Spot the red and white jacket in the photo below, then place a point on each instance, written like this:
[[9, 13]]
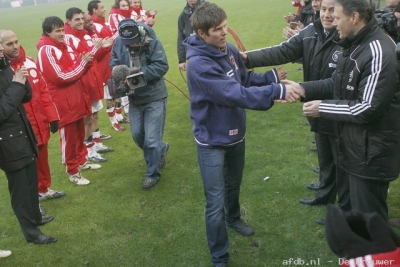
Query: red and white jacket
[[116, 15], [82, 43], [391, 258], [62, 69], [139, 14], [41, 110], [102, 30]]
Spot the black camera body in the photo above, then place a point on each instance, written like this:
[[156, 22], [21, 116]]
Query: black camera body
[[134, 81], [388, 22]]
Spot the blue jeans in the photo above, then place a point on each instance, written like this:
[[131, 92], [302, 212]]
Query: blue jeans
[[147, 128], [221, 170]]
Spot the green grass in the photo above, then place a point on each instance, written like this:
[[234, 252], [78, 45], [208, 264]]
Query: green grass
[[113, 222]]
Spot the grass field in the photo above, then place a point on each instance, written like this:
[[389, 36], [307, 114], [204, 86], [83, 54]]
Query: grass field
[[113, 222]]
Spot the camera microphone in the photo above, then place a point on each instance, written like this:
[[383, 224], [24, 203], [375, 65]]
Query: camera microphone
[[120, 72]]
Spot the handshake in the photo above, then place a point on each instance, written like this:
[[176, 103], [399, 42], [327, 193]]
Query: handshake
[[294, 91]]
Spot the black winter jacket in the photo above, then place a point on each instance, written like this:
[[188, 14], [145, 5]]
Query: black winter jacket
[[17, 139], [363, 98], [185, 29], [319, 55]]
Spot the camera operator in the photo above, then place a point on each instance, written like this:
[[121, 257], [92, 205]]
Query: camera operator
[[390, 6], [137, 46], [388, 21], [397, 15]]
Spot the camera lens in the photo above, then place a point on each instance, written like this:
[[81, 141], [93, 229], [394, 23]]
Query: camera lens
[[135, 81]]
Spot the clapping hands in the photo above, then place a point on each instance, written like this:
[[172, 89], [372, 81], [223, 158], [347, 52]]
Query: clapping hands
[[20, 74]]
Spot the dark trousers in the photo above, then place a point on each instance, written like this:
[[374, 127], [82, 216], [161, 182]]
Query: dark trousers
[[333, 179], [369, 195], [23, 188]]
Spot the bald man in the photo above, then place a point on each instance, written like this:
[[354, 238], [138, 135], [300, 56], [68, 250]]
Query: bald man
[[41, 111]]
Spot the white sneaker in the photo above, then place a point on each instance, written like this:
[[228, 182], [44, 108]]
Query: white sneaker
[[104, 136], [96, 157], [5, 253], [51, 194], [89, 166], [78, 179], [101, 148]]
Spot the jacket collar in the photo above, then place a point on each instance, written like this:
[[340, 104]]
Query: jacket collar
[[356, 39]]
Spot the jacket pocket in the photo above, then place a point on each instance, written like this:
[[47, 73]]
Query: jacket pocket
[[14, 145]]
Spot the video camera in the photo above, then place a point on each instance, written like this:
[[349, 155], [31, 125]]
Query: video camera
[[388, 22], [126, 80]]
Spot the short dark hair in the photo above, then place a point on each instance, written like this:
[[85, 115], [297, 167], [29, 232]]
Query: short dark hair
[[94, 4], [206, 16], [72, 11], [51, 23], [366, 8], [116, 4]]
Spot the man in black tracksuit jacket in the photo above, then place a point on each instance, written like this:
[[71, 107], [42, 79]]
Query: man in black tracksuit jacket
[[185, 29], [363, 98], [18, 152], [317, 46]]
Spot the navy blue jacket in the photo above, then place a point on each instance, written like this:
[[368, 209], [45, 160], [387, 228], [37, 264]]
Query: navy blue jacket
[[221, 89]]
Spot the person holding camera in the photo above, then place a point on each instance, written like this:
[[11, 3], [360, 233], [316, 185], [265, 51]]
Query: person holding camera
[[138, 48], [390, 5]]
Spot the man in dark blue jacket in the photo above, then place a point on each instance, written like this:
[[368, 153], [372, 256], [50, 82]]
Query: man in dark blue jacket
[[220, 90], [138, 48], [18, 151]]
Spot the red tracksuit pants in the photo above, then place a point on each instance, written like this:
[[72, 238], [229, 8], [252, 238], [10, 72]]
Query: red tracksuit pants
[[44, 176], [73, 150]]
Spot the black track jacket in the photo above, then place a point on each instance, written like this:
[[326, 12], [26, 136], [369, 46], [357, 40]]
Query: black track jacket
[[363, 97], [319, 53]]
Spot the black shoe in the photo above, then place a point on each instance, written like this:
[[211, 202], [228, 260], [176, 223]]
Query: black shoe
[[314, 186], [316, 170], [312, 201], [43, 239], [241, 227], [313, 148], [149, 183], [321, 221], [46, 220]]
